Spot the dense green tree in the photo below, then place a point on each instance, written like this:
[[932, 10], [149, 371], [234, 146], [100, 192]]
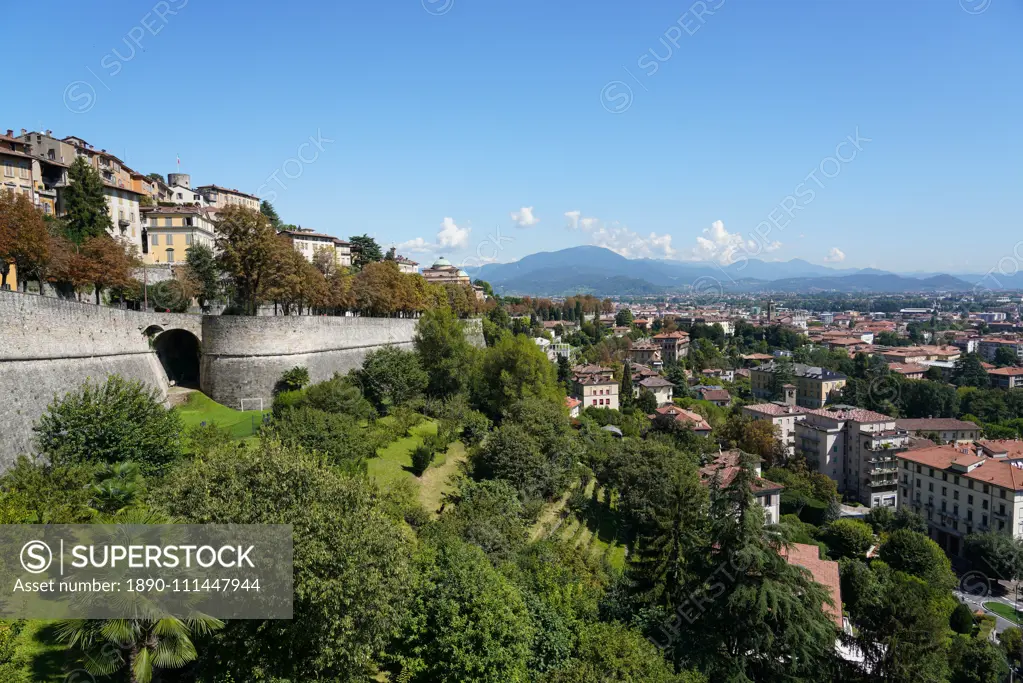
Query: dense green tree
[[783, 374], [468, 622], [513, 369], [1011, 641], [342, 438], [339, 395], [647, 402], [662, 505], [976, 660], [365, 250], [344, 611], [247, 251], [204, 273], [900, 621], [613, 652], [444, 352], [43, 493], [268, 210], [848, 538], [969, 372], [625, 392], [392, 377], [623, 318], [1005, 356], [924, 398], [86, 213], [750, 615], [488, 514], [999, 556], [758, 437], [512, 454], [913, 553], [115, 421], [135, 648], [961, 620]]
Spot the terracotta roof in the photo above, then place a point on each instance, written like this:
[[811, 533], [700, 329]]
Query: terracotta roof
[[593, 380], [307, 233], [677, 334], [907, 368], [182, 208], [683, 415], [645, 346], [227, 189], [655, 381], [715, 395], [850, 413], [589, 369], [758, 356], [775, 409], [726, 465], [997, 472], [1006, 372], [571, 402], [934, 424], [824, 572]]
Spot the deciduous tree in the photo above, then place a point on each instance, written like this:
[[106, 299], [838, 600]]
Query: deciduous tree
[[247, 247]]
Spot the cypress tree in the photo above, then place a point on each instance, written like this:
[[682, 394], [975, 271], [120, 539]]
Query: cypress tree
[[85, 205]]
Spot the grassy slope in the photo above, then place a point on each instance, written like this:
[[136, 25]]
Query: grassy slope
[[394, 462], [200, 408]]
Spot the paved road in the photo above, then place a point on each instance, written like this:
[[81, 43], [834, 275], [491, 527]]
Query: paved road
[[976, 602]]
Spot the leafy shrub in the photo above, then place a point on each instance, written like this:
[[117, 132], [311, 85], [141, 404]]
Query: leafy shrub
[[475, 426], [110, 422], [286, 400], [341, 438], [392, 377], [422, 456], [205, 437], [339, 395], [293, 379]]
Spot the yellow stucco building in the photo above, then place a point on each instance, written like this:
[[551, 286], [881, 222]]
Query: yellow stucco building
[[171, 230]]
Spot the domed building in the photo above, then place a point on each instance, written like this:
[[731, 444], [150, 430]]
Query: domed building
[[443, 273]]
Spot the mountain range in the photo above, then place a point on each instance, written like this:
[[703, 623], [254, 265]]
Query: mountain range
[[602, 272]]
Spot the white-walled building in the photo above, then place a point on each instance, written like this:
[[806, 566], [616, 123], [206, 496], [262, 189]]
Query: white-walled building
[[854, 447], [595, 391], [726, 466], [307, 243], [784, 418], [961, 490]]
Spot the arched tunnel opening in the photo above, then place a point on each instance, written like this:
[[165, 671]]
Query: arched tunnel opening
[[178, 351]]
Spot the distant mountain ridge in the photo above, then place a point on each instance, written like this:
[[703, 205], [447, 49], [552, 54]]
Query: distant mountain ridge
[[602, 272]]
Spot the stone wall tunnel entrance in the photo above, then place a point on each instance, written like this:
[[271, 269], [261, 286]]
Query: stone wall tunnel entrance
[[178, 351]]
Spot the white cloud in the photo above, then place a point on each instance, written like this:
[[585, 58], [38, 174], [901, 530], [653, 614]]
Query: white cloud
[[416, 246], [524, 217], [620, 238], [450, 235], [835, 255], [717, 244]]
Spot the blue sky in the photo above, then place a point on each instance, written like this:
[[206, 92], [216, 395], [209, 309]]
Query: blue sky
[[663, 129]]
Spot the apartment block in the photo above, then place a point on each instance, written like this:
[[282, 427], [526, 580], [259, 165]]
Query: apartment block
[[1006, 378], [307, 243], [854, 447], [960, 490], [988, 346], [814, 385], [221, 197], [947, 429], [646, 353], [674, 345], [170, 231], [784, 418]]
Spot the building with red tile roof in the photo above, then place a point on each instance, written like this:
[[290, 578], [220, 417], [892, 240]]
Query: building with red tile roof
[[824, 572], [964, 489], [695, 420], [726, 466]]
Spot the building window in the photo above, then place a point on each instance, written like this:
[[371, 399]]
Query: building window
[[983, 504], [155, 239], [930, 471], [170, 256], [930, 486], [1001, 493], [188, 241], [8, 169], [955, 495], [944, 490], [969, 515], [987, 489], [918, 470], [944, 476], [969, 484], [170, 238], [969, 499]]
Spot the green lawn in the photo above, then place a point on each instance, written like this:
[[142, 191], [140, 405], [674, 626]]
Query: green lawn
[[1005, 611], [200, 408], [394, 462]]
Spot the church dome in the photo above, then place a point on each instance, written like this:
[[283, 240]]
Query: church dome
[[462, 273], [441, 263]]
